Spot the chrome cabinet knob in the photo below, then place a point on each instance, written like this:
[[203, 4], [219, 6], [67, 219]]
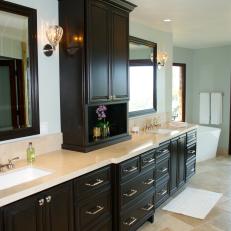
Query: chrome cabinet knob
[[48, 199], [41, 202]]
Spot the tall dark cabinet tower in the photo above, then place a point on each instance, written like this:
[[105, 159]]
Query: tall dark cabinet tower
[[94, 70]]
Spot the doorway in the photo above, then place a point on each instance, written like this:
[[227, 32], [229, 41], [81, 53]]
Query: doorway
[[178, 91], [12, 100]]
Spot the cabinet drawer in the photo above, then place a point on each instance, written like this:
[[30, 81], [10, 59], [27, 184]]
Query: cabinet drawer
[[162, 169], [191, 152], [129, 168], [91, 211], [163, 152], [93, 182], [190, 169], [148, 160], [191, 137], [106, 227], [131, 218], [162, 193], [132, 189], [102, 226]]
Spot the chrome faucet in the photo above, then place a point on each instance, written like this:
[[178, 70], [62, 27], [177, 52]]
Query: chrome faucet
[[9, 165]]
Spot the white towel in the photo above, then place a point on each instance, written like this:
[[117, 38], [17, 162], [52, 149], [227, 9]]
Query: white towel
[[204, 108], [216, 108]]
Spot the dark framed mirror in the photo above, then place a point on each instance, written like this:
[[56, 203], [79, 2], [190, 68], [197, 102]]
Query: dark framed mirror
[[19, 97], [142, 76]]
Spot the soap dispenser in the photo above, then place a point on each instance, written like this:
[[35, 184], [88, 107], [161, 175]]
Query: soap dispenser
[[30, 153]]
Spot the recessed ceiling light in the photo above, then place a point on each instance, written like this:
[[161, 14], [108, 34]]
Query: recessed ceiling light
[[167, 20]]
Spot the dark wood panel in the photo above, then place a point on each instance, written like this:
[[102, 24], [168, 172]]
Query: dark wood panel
[[138, 214], [190, 169], [72, 74], [98, 45], [92, 211], [129, 168], [59, 208], [92, 183], [135, 187], [120, 85], [181, 159], [174, 166], [24, 215]]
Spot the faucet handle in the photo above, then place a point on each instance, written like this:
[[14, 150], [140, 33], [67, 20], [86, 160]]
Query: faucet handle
[[10, 164]]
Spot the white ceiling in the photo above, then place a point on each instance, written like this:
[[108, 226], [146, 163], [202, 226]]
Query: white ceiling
[[195, 23]]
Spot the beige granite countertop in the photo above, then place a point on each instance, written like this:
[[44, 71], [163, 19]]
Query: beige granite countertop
[[66, 165]]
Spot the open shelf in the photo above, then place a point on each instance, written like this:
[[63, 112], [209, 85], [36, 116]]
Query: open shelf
[[117, 117]]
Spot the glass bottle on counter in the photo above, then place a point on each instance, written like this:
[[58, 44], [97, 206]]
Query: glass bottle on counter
[[30, 153]]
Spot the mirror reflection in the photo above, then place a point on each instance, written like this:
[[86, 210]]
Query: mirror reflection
[[15, 85], [141, 70]]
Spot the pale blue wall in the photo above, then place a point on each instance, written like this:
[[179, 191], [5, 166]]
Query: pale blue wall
[[210, 71]]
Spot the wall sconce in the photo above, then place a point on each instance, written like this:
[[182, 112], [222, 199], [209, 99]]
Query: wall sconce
[[54, 35], [74, 44], [162, 58]]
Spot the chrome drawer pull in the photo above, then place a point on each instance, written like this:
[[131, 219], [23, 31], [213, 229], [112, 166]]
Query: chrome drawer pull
[[163, 170], [149, 181], [132, 193], [191, 151], [41, 202], [130, 221], [162, 193], [95, 211], [48, 199], [148, 207], [163, 151], [149, 161], [97, 182], [129, 170]]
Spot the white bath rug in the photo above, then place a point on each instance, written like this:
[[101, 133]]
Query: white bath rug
[[193, 202]]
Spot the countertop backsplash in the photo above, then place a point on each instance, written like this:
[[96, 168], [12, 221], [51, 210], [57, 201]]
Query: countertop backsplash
[[142, 121], [42, 144]]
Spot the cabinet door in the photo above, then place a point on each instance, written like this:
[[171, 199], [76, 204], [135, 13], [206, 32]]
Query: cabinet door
[[120, 51], [24, 215], [181, 160], [98, 53], [174, 166], [1, 228], [59, 208]]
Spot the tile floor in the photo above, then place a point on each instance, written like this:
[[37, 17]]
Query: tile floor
[[213, 175]]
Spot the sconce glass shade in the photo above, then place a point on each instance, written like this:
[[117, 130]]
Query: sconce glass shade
[[54, 35], [162, 58]]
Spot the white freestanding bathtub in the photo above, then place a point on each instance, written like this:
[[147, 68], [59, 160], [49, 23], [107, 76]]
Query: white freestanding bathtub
[[207, 142]]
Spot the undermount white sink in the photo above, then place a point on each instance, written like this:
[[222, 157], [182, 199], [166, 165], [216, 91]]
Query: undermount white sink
[[162, 131], [23, 175]]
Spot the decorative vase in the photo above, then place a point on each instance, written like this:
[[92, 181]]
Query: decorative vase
[[96, 133], [105, 131]]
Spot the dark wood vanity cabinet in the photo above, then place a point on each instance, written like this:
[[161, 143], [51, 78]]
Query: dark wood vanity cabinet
[[162, 173], [93, 69], [49, 210], [190, 156], [117, 197], [178, 150], [93, 201], [107, 52], [134, 192]]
